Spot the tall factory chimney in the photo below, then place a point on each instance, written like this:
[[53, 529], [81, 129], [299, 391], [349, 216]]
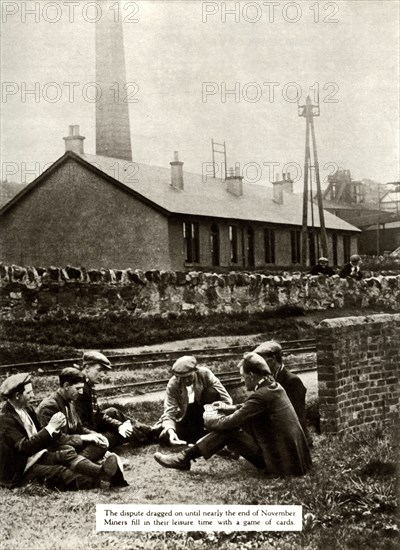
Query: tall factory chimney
[[113, 138]]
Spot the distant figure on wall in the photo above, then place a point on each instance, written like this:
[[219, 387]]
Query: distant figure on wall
[[352, 269], [322, 268]]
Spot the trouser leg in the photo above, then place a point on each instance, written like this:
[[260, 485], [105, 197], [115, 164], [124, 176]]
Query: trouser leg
[[142, 433], [60, 477], [93, 452], [238, 441], [191, 427]]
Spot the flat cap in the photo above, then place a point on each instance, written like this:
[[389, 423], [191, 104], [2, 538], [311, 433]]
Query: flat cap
[[355, 258], [12, 382], [322, 259], [96, 358], [270, 347], [184, 365]]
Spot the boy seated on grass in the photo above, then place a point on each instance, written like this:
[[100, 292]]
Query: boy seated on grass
[[30, 453]]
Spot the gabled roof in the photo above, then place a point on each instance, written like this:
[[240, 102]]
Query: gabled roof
[[8, 190], [203, 196], [200, 197]]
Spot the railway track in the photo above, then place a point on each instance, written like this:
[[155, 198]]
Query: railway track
[[142, 360], [136, 362]]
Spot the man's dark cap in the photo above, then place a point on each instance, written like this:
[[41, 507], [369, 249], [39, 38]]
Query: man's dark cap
[[268, 348], [71, 375], [11, 383], [96, 358], [184, 365]]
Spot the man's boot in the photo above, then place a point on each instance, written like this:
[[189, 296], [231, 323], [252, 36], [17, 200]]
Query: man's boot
[[105, 472], [179, 461]]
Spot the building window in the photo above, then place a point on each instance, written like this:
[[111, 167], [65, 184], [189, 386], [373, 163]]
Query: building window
[[335, 249], [233, 239], [346, 248], [269, 246], [250, 247], [295, 239], [214, 238], [191, 240]]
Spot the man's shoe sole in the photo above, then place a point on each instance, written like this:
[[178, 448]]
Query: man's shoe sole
[[158, 457], [109, 468]]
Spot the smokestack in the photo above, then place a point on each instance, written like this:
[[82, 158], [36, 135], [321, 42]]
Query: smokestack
[[74, 142], [113, 137], [176, 172]]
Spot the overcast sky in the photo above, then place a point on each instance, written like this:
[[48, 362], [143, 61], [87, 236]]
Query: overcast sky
[[175, 47]]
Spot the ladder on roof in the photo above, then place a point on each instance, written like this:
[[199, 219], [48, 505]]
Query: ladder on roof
[[214, 147]]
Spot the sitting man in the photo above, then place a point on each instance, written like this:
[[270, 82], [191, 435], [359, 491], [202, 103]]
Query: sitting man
[[111, 422], [264, 430], [190, 388], [352, 269], [271, 352], [322, 268], [24, 454], [90, 445]]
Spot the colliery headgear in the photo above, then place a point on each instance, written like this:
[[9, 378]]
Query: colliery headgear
[[184, 365], [14, 383], [96, 358]]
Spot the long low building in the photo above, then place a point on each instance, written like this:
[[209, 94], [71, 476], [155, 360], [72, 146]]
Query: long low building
[[96, 211]]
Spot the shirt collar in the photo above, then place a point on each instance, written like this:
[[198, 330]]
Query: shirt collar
[[259, 383]]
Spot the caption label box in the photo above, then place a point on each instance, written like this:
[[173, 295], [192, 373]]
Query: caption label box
[[164, 517]]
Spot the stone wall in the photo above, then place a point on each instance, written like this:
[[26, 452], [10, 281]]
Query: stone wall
[[32, 293], [358, 372]]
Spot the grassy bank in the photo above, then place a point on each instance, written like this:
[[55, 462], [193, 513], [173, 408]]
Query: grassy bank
[[62, 338], [349, 502]]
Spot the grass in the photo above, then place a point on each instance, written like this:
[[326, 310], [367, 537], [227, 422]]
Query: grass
[[28, 340], [122, 329], [349, 502]]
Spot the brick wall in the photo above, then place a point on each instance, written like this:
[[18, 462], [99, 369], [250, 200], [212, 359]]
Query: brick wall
[[358, 372], [33, 293]]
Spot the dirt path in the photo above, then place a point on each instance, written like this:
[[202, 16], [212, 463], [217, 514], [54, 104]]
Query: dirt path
[[192, 343]]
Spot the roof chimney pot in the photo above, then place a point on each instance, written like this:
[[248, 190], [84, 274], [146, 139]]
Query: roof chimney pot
[[74, 141], [234, 181], [176, 172]]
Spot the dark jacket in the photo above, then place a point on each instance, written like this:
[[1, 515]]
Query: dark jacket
[[69, 434], [94, 419], [16, 446], [319, 269], [347, 272], [269, 417], [296, 392]]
